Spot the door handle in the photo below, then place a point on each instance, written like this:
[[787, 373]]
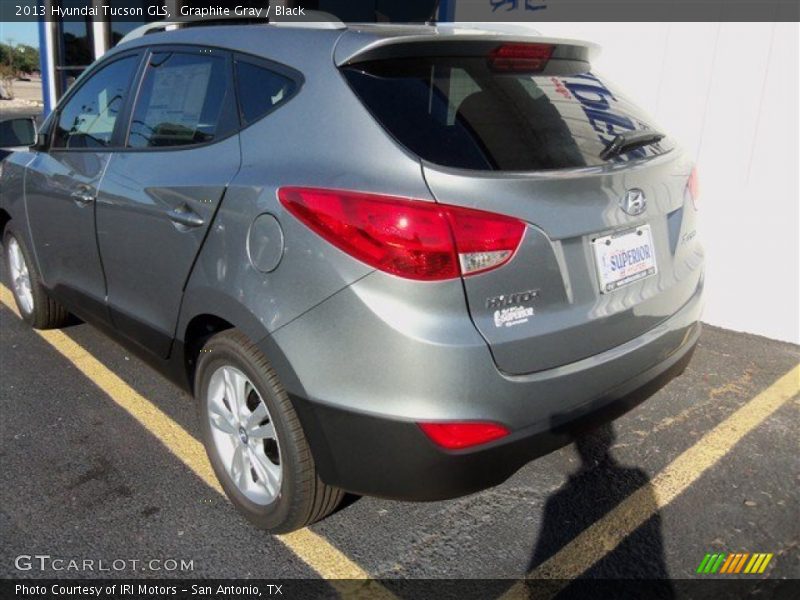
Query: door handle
[[82, 198], [185, 217]]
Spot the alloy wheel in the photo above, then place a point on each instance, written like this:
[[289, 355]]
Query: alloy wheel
[[244, 435], [20, 276]]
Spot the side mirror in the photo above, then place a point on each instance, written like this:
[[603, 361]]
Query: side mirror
[[17, 133]]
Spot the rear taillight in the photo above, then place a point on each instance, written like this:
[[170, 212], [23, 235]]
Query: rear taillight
[[693, 187], [483, 240], [408, 238], [457, 436], [520, 58]]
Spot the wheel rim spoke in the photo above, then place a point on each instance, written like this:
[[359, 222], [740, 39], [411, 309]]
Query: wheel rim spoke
[[259, 414], [268, 473], [235, 384], [230, 393], [254, 426], [264, 432], [220, 415], [222, 421], [15, 257], [240, 467]]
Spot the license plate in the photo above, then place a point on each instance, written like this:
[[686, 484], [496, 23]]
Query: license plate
[[624, 257]]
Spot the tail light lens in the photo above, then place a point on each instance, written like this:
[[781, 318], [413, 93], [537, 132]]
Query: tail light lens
[[693, 187], [457, 436], [408, 238], [520, 58]]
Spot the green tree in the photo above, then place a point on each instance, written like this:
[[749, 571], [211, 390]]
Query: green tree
[[20, 58], [6, 52], [26, 58]]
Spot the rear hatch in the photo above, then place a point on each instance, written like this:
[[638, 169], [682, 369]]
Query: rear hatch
[[524, 128]]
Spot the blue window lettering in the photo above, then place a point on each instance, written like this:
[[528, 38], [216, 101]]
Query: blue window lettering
[[591, 77], [590, 96], [514, 5], [497, 4], [595, 98], [606, 123]]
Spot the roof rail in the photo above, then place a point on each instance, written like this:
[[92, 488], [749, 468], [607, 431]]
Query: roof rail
[[311, 19], [157, 26]]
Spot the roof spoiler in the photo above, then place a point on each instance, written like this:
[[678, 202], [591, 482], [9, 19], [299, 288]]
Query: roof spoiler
[[353, 48]]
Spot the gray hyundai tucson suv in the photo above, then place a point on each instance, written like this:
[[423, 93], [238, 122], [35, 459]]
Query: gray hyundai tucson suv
[[389, 260]]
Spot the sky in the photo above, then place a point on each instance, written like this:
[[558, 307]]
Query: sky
[[21, 33]]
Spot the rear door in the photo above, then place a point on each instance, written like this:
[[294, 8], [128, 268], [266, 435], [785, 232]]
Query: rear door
[[161, 192], [519, 129]]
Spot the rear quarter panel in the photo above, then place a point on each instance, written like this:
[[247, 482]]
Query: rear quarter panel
[[323, 137]]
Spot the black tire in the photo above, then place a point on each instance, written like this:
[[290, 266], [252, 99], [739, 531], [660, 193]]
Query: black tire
[[302, 498], [46, 313]]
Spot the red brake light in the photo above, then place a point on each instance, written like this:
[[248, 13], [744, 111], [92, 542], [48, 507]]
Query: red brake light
[[693, 186], [528, 58], [457, 436], [409, 238]]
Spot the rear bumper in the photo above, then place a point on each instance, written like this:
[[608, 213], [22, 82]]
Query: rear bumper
[[371, 456], [366, 451]]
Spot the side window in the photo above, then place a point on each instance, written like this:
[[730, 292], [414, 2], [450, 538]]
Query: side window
[[260, 90], [184, 100], [87, 119]]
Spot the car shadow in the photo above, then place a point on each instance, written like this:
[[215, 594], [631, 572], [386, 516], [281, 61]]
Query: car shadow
[[598, 485]]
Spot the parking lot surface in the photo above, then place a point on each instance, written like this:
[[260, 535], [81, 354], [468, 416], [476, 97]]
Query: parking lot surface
[[100, 460]]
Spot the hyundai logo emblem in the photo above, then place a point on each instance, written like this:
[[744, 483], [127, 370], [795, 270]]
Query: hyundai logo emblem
[[634, 202]]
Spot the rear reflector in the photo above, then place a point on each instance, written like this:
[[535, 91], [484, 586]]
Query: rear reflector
[[693, 187], [408, 238], [528, 58], [457, 436]]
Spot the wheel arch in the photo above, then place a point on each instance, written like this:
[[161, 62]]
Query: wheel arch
[[207, 312], [199, 330]]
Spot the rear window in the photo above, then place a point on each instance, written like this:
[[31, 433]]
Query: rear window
[[458, 112]]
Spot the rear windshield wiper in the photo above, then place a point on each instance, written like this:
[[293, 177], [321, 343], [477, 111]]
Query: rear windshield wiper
[[630, 140]]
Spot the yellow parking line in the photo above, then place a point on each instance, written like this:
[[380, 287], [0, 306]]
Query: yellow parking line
[[314, 550], [604, 535]]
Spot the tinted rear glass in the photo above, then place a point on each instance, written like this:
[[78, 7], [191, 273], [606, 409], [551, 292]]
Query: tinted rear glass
[[260, 90], [457, 112]]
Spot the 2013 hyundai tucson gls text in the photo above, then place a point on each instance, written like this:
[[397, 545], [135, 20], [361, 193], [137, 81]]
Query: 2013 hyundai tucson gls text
[[390, 260]]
